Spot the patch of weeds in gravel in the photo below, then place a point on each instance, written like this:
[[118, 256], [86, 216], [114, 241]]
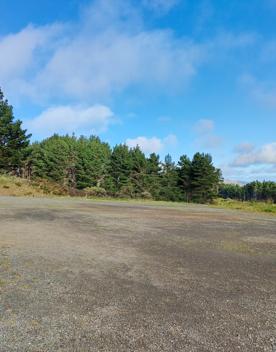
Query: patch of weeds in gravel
[[2, 283], [4, 264], [237, 247], [7, 274]]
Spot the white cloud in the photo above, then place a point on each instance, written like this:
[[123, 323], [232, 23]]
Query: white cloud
[[113, 61], [263, 155], [147, 145], [206, 138], [22, 54], [107, 51], [153, 144], [18, 50], [69, 119]]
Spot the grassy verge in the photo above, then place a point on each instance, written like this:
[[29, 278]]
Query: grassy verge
[[248, 206], [16, 186]]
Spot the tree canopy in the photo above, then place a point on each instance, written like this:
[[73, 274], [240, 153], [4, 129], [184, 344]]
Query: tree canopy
[[122, 171]]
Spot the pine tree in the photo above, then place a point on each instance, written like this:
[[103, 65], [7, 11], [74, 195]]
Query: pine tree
[[93, 162], [120, 169], [153, 175], [169, 189], [205, 178], [138, 171], [184, 176], [52, 159], [13, 140]]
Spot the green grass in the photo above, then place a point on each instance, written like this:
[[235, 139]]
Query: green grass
[[247, 206]]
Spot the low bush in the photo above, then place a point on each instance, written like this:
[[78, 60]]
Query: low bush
[[95, 192]]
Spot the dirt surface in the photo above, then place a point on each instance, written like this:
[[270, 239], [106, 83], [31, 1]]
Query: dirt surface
[[93, 276]]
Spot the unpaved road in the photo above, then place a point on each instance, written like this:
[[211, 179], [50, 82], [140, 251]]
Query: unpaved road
[[77, 275]]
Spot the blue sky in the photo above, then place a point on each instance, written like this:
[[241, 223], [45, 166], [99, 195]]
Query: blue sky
[[174, 76]]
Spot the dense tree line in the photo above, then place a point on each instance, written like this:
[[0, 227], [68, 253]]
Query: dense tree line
[[92, 165], [253, 191]]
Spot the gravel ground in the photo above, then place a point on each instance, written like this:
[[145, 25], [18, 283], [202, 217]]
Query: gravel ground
[[77, 275]]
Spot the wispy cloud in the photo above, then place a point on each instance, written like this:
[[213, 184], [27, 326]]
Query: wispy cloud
[[164, 119], [263, 92], [204, 126], [268, 52], [244, 148], [205, 135]]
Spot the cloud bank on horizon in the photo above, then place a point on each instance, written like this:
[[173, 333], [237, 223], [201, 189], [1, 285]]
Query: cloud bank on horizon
[[193, 77]]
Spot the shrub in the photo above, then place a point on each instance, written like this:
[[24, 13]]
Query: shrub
[[95, 192], [126, 192], [74, 192], [146, 195]]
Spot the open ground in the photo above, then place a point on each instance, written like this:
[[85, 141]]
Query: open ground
[[78, 275]]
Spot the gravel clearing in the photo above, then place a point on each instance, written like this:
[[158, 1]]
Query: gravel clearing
[[81, 275]]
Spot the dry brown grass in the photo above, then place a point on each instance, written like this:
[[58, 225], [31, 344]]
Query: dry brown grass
[[15, 186]]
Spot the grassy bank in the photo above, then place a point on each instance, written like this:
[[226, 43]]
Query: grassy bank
[[16, 186], [247, 206]]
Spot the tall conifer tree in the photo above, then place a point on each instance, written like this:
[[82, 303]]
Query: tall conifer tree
[[13, 139]]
